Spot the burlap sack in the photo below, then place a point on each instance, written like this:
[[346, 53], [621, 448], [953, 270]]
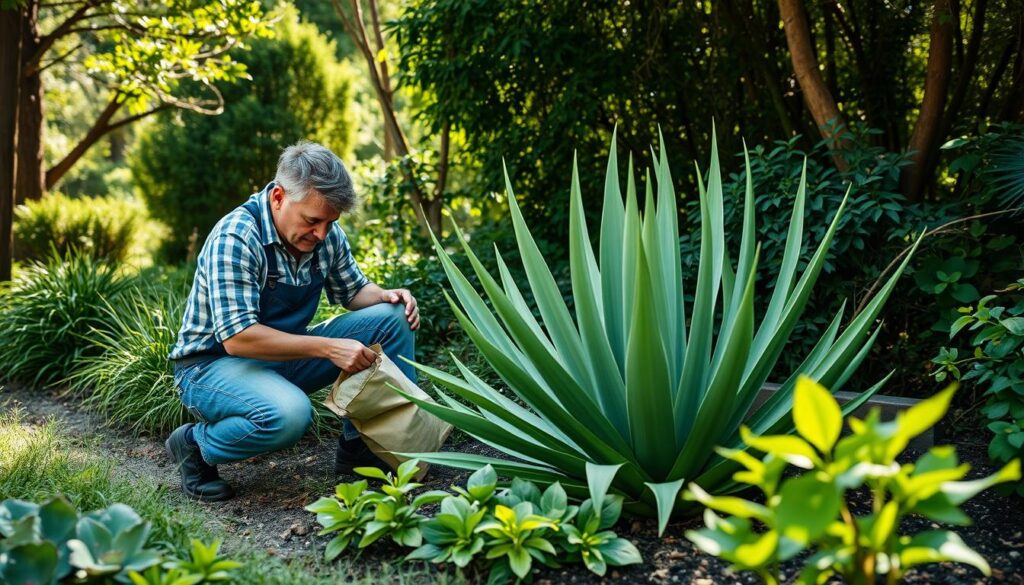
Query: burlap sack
[[388, 422]]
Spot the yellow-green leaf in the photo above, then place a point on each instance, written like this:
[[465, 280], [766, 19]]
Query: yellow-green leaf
[[816, 414]]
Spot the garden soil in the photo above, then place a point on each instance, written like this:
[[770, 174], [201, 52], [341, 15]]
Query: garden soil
[[268, 512]]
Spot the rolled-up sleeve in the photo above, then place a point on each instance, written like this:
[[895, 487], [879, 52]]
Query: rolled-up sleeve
[[345, 278], [234, 269]]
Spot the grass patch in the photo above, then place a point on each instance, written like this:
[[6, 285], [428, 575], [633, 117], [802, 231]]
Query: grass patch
[[39, 461]]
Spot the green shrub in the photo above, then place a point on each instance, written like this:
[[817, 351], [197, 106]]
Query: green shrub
[[50, 312], [129, 378], [102, 227], [640, 378], [993, 360], [810, 512]]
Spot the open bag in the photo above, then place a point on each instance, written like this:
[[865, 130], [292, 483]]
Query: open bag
[[388, 422]]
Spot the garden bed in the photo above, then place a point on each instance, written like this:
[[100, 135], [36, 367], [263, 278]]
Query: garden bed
[[267, 515]]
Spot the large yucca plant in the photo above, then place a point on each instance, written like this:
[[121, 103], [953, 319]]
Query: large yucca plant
[[639, 384]]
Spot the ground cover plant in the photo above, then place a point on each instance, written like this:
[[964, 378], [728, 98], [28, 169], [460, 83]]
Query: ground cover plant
[[500, 532], [637, 380], [810, 511]]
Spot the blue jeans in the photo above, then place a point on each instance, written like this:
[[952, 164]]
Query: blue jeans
[[248, 407]]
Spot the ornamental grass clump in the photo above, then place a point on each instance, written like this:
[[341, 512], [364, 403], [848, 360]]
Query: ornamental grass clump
[[638, 377], [50, 311], [129, 378]]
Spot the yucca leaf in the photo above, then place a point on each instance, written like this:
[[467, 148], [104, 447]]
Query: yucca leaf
[[516, 297], [665, 496], [549, 300], [487, 431], [599, 479], [630, 242], [671, 264], [609, 388], [718, 403], [538, 355], [541, 398], [790, 259], [519, 418], [768, 353], [648, 399], [814, 357], [476, 308], [690, 390], [613, 220]]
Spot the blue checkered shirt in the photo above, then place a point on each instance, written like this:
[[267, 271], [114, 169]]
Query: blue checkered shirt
[[232, 268]]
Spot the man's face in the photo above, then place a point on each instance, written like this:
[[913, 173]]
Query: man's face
[[301, 224]]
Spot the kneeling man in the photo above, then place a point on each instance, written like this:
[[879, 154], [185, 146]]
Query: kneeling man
[[246, 357]]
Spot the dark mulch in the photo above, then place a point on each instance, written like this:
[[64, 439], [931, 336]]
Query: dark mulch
[[274, 488]]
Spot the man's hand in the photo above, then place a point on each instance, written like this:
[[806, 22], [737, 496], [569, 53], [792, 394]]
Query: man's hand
[[350, 355], [402, 295]]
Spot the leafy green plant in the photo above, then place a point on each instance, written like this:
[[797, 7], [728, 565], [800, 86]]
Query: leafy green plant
[[101, 227], [395, 513], [203, 563], [517, 538], [346, 513], [504, 531], [994, 360], [33, 548], [111, 542], [355, 512], [49, 311], [44, 544], [128, 378], [810, 512], [633, 381]]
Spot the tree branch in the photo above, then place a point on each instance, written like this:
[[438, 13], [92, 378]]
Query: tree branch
[[941, 230], [36, 69], [47, 41]]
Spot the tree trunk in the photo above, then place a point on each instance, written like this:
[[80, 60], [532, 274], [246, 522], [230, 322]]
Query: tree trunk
[[29, 182], [10, 71], [1012, 107], [925, 139], [98, 130], [805, 64], [381, 83], [965, 73]]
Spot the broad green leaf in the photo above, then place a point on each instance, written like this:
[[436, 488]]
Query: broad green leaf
[[816, 414], [937, 546], [727, 504], [806, 507]]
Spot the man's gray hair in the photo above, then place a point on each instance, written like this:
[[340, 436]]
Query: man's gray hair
[[307, 166]]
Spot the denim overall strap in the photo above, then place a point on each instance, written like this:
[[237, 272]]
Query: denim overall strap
[[286, 307]]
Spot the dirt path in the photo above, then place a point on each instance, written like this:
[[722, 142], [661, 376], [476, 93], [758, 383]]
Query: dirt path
[[267, 514]]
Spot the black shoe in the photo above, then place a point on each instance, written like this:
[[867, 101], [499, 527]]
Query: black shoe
[[354, 453], [199, 479]]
